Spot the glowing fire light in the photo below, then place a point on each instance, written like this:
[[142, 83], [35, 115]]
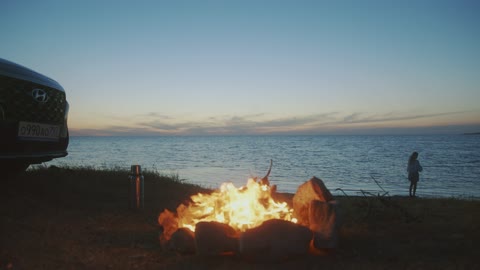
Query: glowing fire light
[[242, 208]]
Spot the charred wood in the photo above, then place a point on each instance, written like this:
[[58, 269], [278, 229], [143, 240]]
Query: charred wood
[[214, 238], [275, 240]]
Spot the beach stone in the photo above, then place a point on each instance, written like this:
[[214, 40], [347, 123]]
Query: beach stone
[[323, 222], [275, 240], [182, 241], [313, 189], [215, 238]]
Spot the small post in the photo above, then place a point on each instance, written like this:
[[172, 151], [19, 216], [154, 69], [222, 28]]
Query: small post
[[136, 187]]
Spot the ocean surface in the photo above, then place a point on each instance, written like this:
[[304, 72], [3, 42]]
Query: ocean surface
[[351, 163]]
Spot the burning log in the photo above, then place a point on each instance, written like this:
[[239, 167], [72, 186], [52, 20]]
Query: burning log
[[313, 189], [182, 241], [323, 220], [275, 240], [215, 238], [241, 208]]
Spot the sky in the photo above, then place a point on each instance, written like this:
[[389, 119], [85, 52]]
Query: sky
[[254, 67]]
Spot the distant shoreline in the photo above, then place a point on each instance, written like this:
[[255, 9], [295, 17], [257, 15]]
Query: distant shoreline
[[472, 133]]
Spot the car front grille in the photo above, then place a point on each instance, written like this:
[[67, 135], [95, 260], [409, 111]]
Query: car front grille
[[18, 104]]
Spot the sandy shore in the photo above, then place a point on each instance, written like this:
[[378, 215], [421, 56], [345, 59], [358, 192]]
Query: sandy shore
[[79, 219]]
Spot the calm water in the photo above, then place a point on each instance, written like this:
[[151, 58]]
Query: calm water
[[451, 163]]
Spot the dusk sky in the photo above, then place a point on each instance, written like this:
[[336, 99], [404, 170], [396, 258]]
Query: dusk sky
[[254, 67]]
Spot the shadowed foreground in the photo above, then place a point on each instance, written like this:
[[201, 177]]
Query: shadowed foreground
[[78, 218]]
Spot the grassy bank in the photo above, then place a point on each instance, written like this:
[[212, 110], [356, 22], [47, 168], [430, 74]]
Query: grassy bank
[[78, 218]]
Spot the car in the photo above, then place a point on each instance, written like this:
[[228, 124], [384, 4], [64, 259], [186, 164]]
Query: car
[[33, 118]]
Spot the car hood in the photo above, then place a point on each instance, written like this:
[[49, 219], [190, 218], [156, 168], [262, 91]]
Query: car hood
[[17, 71]]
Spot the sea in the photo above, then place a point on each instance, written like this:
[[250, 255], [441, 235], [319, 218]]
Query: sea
[[354, 165]]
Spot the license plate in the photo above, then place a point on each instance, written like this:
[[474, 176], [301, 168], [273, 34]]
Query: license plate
[[38, 132]]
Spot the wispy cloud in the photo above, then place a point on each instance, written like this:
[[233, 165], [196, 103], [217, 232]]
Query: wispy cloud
[[155, 115], [357, 118], [246, 124], [331, 122]]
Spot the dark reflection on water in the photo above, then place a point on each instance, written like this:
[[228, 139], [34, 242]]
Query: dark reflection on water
[[348, 162]]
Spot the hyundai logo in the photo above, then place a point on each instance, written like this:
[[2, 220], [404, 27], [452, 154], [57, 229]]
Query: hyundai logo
[[40, 95]]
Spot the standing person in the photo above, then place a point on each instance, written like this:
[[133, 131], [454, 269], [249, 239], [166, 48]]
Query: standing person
[[413, 170]]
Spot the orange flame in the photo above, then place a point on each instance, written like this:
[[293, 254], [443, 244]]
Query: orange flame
[[243, 208]]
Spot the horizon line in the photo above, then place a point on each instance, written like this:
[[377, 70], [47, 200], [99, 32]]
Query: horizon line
[[465, 129]]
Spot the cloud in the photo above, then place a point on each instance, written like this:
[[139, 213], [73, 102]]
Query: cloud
[[113, 131], [351, 118], [155, 115], [261, 123], [358, 118], [159, 125]]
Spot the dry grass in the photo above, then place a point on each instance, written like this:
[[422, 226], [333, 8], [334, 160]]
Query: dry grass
[[78, 218]]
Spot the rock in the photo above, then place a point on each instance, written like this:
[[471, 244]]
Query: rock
[[313, 189], [182, 241], [214, 238], [275, 240], [323, 223]]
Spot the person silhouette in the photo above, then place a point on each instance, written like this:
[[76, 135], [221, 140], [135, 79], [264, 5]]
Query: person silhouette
[[413, 170]]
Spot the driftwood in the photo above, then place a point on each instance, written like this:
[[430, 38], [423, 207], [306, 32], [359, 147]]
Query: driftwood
[[264, 180], [215, 238], [275, 240], [323, 222], [313, 189], [182, 241]]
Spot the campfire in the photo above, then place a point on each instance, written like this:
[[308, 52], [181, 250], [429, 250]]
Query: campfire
[[250, 222]]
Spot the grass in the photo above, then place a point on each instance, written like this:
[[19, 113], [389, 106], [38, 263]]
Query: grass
[[78, 218]]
